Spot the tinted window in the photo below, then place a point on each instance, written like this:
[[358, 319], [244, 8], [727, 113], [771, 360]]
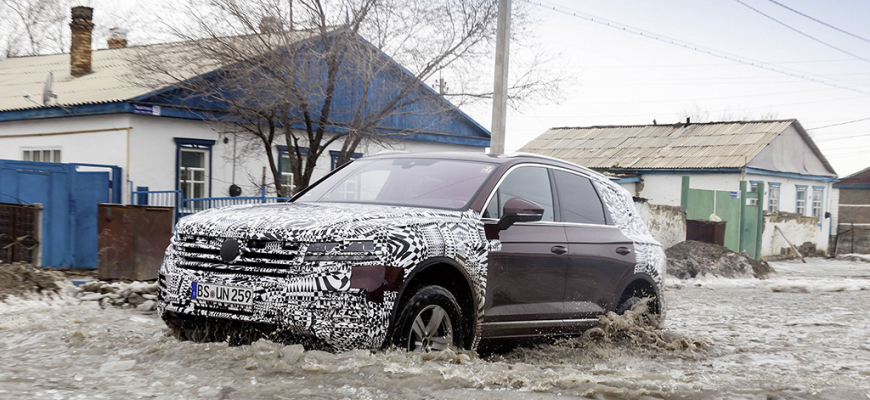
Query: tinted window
[[578, 200], [530, 183], [410, 182]]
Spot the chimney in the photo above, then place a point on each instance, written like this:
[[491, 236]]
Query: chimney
[[80, 47], [117, 38]]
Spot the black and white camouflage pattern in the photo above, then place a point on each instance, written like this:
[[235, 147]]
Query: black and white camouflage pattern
[[650, 256], [315, 298]]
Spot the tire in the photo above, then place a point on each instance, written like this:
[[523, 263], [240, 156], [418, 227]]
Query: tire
[[627, 304], [430, 320], [194, 331]]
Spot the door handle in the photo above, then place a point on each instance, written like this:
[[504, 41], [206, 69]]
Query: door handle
[[623, 250], [559, 250]]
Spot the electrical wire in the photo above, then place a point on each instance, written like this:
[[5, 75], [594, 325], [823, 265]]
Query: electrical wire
[[838, 124], [821, 22], [690, 46], [800, 32]]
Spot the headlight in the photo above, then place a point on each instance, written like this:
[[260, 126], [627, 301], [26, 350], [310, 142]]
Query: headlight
[[361, 250]]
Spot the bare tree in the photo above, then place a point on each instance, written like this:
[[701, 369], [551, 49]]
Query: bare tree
[[322, 72], [31, 26]]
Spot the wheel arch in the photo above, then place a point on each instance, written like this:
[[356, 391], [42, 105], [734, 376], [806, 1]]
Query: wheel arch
[[643, 285], [448, 273]]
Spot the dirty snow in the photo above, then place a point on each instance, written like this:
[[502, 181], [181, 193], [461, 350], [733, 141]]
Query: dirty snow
[[741, 339]]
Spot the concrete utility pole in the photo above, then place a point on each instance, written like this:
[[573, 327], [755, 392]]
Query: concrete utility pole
[[499, 98]]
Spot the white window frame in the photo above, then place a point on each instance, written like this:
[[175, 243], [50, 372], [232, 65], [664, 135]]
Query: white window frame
[[818, 196], [39, 154], [773, 195], [800, 205], [188, 186]]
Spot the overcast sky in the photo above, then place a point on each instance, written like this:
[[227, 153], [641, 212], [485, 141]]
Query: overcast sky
[[625, 78]]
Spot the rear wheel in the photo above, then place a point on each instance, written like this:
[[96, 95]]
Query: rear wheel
[[429, 321]]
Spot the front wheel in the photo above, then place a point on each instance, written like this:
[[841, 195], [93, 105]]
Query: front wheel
[[429, 321]]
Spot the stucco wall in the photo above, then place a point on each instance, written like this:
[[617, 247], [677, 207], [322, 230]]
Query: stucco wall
[[667, 224], [798, 229], [152, 149]]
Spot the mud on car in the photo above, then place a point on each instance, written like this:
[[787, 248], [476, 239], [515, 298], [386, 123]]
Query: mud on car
[[420, 251]]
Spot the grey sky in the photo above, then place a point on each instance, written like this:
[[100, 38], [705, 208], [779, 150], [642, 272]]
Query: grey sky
[[625, 78]]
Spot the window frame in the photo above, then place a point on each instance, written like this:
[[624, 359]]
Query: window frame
[[797, 205], [604, 213], [201, 145], [770, 197], [283, 151], [333, 157], [818, 213], [553, 195]]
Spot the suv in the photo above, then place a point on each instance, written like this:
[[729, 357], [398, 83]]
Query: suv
[[421, 251]]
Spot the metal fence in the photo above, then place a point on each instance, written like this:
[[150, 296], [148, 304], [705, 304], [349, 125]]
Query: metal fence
[[192, 206], [141, 196]]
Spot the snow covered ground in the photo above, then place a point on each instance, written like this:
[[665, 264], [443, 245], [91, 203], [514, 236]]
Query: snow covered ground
[[804, 334]]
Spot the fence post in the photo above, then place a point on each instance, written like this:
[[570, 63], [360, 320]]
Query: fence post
[[263, 194], [130, 199]]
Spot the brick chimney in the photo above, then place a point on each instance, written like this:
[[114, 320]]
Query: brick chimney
[[80, 47], [117, 38]]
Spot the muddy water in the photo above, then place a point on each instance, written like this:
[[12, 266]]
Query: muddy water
[[802, 335]]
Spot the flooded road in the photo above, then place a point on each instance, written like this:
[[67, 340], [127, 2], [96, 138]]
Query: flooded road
[[802, 335]]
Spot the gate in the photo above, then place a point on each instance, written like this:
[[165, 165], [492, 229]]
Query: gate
[[69, 201]]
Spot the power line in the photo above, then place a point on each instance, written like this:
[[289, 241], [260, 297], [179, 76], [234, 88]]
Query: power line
[[701, 49], [821, 22], [801, 32], [838, 124]]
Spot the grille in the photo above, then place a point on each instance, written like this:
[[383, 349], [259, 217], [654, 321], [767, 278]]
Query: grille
[[256, 257]]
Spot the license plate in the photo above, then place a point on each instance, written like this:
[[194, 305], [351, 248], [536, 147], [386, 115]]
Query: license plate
[[222, 294]]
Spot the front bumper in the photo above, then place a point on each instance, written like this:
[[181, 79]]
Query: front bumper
[[319, 303]]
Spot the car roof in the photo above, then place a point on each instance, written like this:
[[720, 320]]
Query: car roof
[[474, 156]]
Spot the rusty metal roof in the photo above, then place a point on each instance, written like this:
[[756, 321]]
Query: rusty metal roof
[[679, 146]]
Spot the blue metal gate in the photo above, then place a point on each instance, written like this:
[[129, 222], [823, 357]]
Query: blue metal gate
[[69, 198]]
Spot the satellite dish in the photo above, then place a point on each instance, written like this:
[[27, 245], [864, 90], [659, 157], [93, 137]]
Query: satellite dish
[[47, 94]]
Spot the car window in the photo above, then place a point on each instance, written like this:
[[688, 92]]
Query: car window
[[530, 183], [578, 199], [438, 183]]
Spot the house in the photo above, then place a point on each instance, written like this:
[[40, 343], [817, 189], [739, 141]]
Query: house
[[756, 175], [156, 136], [120, 141], [852, 226]]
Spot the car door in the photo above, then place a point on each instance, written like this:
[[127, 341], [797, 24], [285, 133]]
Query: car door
[[526, 278], [599, 256]]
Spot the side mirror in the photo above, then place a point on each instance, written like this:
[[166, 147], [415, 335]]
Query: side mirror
[[519, 210]]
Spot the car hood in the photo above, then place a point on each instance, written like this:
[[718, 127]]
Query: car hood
[[311, 221]]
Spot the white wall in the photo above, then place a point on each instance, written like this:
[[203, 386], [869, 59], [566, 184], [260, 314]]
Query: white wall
[[152, 149], [667, 224], [666, 189], [788, 203], [798, 230]]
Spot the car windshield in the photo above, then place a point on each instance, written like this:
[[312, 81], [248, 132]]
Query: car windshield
[[422, 182]]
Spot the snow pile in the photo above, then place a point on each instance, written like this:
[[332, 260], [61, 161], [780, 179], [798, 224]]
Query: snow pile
[[22, 280], [691, 259], [139, 295]]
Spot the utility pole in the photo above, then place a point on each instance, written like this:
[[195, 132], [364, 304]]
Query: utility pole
[[499, 98]]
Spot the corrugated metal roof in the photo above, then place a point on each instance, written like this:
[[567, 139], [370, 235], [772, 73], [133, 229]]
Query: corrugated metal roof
[[680, 146], [113, 77]]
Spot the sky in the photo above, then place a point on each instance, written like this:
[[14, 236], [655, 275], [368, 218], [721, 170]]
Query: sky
[[621, 77]]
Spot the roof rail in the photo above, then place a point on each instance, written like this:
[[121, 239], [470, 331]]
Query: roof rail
[[524, 154]]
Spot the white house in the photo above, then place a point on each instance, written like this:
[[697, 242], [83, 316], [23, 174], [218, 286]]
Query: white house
[[716, 168], [99, 117]]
